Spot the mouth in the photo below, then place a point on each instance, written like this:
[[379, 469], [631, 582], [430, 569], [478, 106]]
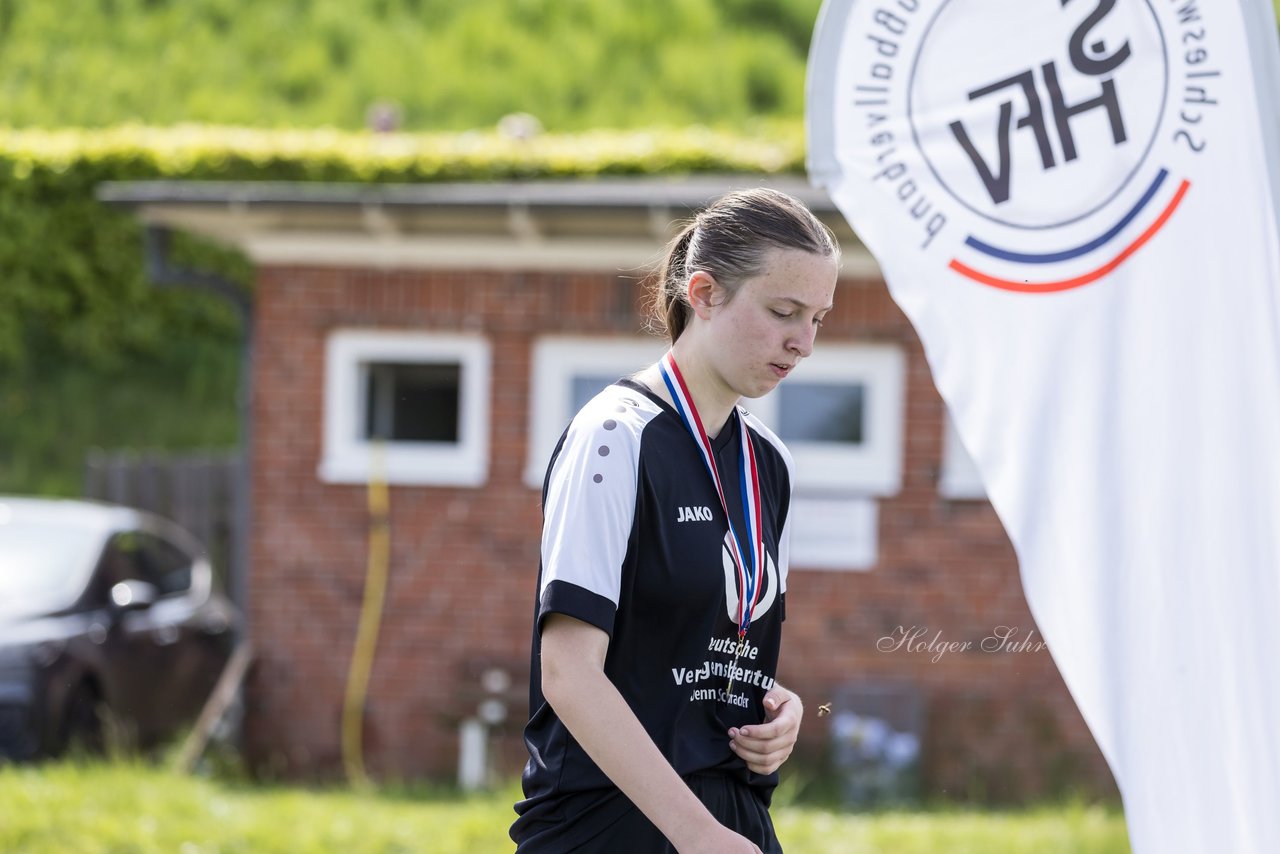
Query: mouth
[[781, 369]]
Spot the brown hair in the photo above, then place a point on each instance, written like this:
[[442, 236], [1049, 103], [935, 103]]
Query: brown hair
[[729, 240]]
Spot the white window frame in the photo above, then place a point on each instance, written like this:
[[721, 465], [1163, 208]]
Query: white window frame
[[833, 468], [839, 534], [960, 478], [348, 458], [831, 483], [555, 361]]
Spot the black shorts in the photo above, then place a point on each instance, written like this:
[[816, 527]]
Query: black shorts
[[735, 804]]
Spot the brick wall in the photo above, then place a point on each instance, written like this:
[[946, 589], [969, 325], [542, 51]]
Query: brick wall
[[464, 561]]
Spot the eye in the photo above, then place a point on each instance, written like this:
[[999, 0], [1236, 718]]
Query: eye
[[779, 314], [817, 321]]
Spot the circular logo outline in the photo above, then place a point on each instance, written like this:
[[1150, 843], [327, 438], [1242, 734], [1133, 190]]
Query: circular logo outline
[[1146, 153]]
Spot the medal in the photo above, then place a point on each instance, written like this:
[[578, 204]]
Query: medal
[[748, 562]]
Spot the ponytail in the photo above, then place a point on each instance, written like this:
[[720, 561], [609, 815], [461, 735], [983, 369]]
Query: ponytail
[[671, 299]]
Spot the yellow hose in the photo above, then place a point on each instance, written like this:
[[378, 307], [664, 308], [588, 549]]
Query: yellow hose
[[375, 589]]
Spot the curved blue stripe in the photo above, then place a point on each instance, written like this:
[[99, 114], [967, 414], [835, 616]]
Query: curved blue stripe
[[1066, 254], [749, 589]]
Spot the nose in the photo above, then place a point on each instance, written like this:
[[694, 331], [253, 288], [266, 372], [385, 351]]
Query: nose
[[802, 343]]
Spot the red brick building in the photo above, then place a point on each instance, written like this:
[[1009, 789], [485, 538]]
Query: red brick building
[[463, 323]]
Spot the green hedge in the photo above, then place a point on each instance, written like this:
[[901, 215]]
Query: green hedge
[[85, 339], [230, 153]]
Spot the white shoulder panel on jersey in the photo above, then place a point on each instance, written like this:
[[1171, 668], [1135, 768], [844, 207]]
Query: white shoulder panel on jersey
[[591, 494], [784, 537]]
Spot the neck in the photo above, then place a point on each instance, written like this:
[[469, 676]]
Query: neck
[[714, 399]]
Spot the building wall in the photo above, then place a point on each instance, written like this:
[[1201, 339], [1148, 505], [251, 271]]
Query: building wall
[[999, 725]]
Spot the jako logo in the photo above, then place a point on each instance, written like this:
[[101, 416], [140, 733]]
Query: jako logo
[[1041, 127], [693, 514]]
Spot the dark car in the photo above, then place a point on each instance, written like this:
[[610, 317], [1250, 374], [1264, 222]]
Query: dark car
[[109, 626]]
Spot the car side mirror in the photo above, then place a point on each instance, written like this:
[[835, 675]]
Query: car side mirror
[[133, 595]]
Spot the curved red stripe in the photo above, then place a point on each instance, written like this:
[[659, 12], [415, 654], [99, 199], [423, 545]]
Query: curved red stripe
[[708, 454], [755, 521], [1091, 276], [693, 410]]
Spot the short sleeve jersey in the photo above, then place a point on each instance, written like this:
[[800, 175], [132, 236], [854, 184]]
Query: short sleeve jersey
[[635, 542]]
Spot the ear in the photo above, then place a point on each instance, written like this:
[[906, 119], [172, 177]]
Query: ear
[[702, 293]]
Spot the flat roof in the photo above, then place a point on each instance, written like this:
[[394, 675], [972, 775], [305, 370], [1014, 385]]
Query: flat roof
[[600, 224], [640, 192]]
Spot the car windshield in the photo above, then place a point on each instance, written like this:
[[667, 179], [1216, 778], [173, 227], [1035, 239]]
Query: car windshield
[[44, 564]]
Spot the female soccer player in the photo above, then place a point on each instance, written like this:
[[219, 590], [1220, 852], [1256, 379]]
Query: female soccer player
[[657, 724]]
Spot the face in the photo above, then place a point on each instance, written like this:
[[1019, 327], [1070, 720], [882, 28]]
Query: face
[[757, 337]]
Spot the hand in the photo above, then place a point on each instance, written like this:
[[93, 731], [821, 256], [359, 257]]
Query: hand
[[717, 840], [766, 746]]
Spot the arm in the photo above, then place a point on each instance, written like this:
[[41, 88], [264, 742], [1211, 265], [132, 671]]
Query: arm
[[573, 682], [764, 747]]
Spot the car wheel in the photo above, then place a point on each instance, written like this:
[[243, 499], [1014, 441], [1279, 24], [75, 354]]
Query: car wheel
[[84, 719]]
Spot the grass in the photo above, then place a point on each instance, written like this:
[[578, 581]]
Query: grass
[[134, 808], [1061, 829], [128, 806]]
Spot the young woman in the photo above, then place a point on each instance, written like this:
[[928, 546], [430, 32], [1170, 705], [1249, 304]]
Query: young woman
[[656, 721]]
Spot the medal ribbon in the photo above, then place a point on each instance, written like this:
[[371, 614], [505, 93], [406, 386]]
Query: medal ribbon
[[750, 573]]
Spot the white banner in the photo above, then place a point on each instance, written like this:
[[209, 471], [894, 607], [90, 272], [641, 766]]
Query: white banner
[[1075, 203]]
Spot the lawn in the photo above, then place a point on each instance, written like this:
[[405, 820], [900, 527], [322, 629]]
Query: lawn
[[134, 808]]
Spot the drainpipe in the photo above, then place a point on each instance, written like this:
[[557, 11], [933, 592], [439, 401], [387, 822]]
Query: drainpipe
[[162, 273]]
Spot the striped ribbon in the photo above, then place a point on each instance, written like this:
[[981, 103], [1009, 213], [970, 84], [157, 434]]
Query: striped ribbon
[[749, 572]]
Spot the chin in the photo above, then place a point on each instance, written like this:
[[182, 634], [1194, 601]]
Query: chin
[[761, 389]]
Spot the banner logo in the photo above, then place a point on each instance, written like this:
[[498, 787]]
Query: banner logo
[[1037, 125]]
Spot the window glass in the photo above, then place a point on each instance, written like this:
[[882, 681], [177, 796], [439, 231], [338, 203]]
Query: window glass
[[121, 561], [585, 387], [165, 565], [408, 402], [821, 412]]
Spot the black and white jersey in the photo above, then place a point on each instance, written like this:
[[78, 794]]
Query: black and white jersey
[[635, 542]]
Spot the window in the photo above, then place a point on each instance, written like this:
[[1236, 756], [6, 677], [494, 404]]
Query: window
[[834, 533], [960, 477], [840, 414], [165, 565], [423, 396], [121, 561], [568, 372], [412, 402]]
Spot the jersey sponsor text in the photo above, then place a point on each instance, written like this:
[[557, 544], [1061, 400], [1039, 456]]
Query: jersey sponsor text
[[693, 514]]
